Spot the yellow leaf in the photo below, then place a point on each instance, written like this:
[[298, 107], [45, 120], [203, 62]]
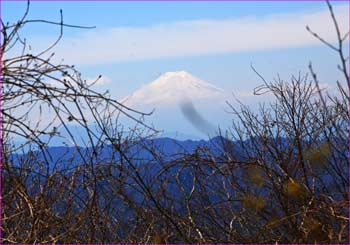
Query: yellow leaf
[[256, 203], [293, 189], [319, 155]]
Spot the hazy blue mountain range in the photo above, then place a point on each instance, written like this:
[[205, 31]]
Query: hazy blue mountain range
[[139, 151]]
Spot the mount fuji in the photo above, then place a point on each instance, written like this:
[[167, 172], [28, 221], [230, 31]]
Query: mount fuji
[[183, 104], [173, 88]]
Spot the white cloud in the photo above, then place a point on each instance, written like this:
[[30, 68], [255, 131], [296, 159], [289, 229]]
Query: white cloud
[[200, 37]]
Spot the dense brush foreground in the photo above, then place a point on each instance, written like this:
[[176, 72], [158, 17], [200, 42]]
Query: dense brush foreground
[[281, 177], [278, 175]]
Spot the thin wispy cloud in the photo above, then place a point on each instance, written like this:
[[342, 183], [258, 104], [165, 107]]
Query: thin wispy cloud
[[200, 37], [99, 81]]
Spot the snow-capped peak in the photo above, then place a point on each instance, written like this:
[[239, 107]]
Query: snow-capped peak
[[173, 87]]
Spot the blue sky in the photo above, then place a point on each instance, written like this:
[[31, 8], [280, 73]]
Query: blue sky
[[126, 23], [126, 13]]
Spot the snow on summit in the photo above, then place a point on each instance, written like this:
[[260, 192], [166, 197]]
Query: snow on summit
[[172, 87]]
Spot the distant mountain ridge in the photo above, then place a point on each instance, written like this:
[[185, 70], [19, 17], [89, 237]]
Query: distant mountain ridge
[[142, 150]]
